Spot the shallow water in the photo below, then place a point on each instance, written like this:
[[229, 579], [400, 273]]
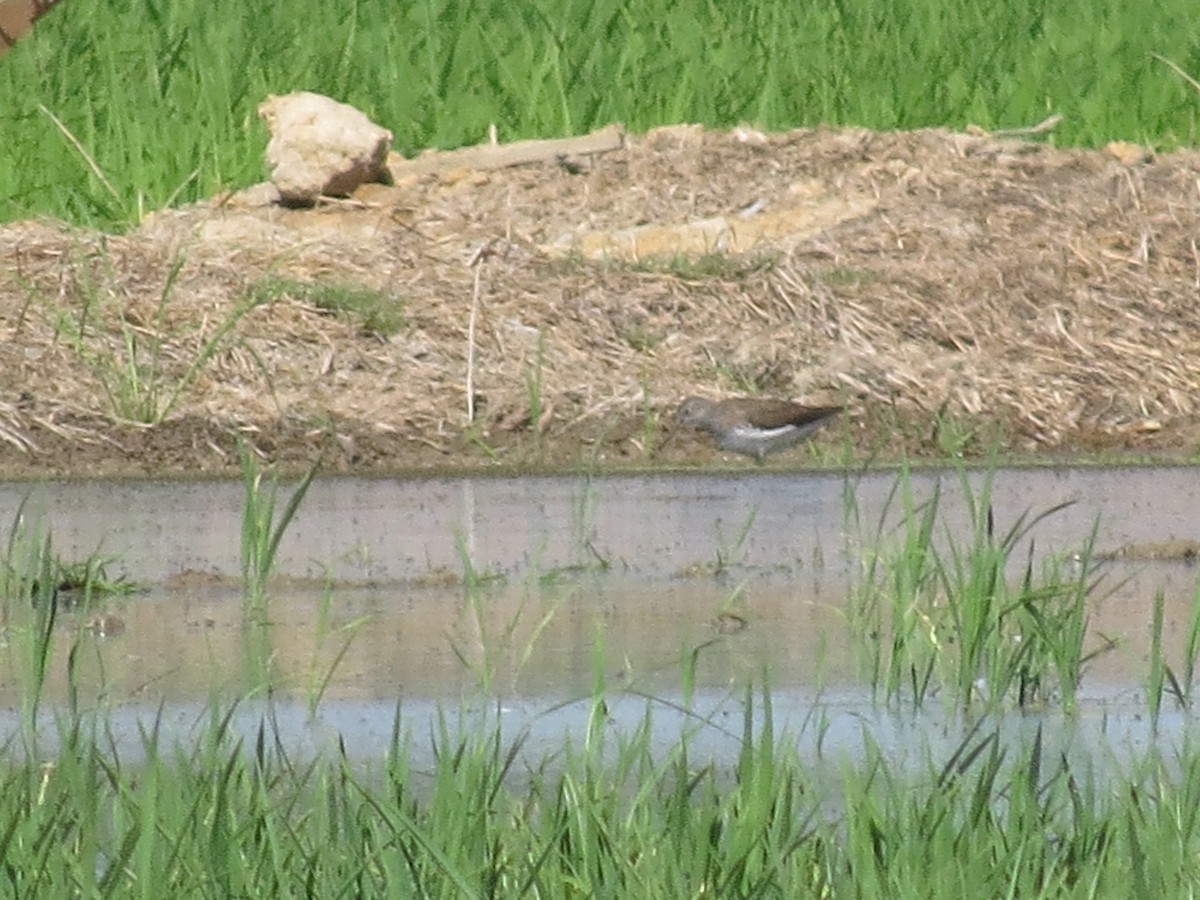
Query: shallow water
[[378, 530], [577, 581]]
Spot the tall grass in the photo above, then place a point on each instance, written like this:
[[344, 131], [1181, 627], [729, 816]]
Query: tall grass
[[36, 585], [113, 109], [613, 815], [1162, 678], [263, 527], [944, 613]]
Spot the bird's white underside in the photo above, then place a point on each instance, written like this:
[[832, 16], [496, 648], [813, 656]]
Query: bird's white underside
[[761, 441]]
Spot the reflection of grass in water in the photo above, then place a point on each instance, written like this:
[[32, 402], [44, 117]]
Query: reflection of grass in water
[[36, 585], [320, 674], [263, 527], [729, 551], [938, 613], [494, 647]]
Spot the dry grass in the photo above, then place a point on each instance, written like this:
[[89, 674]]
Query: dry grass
[[996, 291]]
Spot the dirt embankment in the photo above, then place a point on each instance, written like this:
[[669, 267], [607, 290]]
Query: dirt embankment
[[954, 290]]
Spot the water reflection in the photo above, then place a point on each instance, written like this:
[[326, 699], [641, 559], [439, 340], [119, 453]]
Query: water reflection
[[530, 592]]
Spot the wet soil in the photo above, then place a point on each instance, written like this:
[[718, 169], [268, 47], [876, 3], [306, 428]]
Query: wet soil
[[958, 292]]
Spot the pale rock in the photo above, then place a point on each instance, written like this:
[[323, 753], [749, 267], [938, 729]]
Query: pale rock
[[1128, 154], [321, 147]]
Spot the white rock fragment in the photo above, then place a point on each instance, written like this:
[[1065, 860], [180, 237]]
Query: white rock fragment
[[321, 147]]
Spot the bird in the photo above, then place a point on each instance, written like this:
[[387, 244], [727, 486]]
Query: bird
[[754, 426]]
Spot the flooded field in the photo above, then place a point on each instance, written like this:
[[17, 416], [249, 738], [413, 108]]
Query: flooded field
[[529, 593], [374, 531]]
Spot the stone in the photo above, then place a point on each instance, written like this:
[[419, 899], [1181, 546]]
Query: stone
[[320, 147]]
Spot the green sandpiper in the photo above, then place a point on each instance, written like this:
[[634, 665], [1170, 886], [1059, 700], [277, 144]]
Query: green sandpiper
[[752, 426]]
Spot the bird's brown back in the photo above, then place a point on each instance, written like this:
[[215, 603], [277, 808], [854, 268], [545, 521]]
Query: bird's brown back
[[778, 413]]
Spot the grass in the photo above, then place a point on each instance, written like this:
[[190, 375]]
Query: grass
[[44, 575], [539, 411], [469, 806], [263, 527], [158, 103], [148, 370], [652, 424], [610, 815], [495, 646], [1163, 678], [707, 267], [35, 585], [376, 313], [332, 643], [945, 611], [728, 554]]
